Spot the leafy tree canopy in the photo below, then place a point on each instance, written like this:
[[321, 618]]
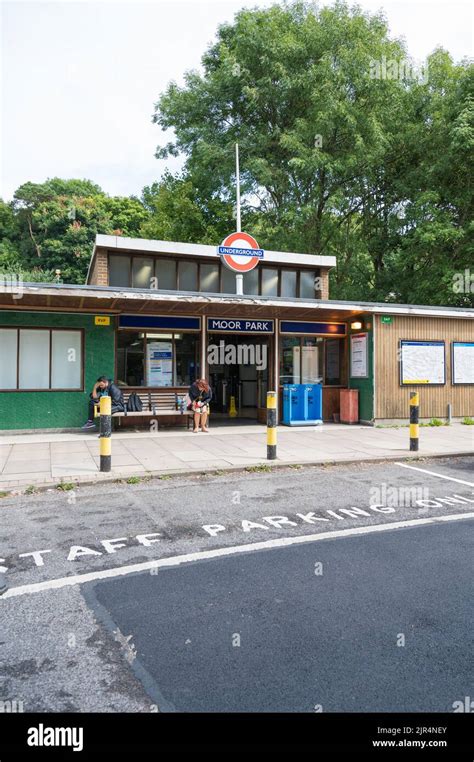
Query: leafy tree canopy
[[346, 149], [58, 220]]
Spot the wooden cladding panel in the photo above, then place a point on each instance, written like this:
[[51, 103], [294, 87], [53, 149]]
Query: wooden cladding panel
[[392, 400]]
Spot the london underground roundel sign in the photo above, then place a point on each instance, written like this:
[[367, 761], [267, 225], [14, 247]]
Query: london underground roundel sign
[[240, 252]]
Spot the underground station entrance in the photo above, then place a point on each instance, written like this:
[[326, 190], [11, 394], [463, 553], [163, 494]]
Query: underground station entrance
[[238, 368]]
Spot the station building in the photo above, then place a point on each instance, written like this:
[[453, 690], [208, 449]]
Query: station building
[[155, 315]]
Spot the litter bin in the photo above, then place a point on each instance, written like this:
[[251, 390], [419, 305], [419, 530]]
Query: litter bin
[[302, 404], [292, 404], [349, 406], [313, 403]]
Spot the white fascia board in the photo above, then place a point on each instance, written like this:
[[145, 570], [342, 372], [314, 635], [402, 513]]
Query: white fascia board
[[205, 250], [149, 295], [393, 309]]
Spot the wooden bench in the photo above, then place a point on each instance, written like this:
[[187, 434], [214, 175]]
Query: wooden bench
[[156, 403]]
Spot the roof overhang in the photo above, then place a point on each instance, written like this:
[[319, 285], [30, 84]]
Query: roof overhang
[[100, 299]]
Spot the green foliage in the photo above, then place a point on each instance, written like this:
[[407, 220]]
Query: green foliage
[[179, 212], [335, 161], [58, 221], [337, 158], [468, 421]]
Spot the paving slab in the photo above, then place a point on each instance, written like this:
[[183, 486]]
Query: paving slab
[[45, 459], [30, 466]]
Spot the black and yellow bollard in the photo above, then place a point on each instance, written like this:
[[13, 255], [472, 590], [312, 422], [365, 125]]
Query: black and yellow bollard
[[414, 420], [105, 433], [271, 426]]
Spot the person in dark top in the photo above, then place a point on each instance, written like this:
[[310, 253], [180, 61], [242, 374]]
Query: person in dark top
[[200, 395], [104, 387]]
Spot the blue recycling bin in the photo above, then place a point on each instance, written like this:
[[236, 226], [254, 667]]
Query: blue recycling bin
[[313, 403], [292, 404], [302, 404]]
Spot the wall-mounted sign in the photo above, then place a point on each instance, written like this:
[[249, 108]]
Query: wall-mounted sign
[[160, 363], [239, 325], [102, 320], [296, 326], [387, 319], [462, 365], [359, 355], [422, 362], [239, 252]]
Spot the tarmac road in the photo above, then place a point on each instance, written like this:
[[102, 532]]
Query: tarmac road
[[311, 636]]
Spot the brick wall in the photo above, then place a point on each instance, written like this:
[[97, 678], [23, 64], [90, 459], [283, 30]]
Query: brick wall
[[100, 271], [324, 291]]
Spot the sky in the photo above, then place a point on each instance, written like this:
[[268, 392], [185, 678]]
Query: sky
[[79, 79]]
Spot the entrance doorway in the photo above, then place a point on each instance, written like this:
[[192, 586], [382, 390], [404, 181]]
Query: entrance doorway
[[238, 374]]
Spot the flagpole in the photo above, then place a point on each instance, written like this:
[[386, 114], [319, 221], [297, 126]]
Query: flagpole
[[237, 176], [239, 278]]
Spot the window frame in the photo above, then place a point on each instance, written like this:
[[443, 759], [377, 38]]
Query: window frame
[[325, 338], [50, 329], [317, 274], [205, 261], [288, 269], [172, 333], [155, 272]]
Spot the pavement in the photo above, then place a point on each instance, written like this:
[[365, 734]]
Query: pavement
[[284, 591], [49, 459]]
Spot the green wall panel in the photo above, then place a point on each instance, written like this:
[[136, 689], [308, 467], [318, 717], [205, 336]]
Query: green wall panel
[[44, 410], [364, 385]]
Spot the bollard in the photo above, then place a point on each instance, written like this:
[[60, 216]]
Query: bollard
[[271, 426], [414, 419], [105, 433]]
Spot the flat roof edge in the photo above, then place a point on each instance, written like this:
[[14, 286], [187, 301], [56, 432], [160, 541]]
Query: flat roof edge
[[71, 290], [197, 249]]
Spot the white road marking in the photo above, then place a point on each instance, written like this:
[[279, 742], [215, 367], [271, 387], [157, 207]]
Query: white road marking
[[434, 473], [80, 579]]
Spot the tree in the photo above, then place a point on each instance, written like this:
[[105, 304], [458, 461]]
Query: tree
[[338, 143], [9, 237], [178, 212], [59, 219]]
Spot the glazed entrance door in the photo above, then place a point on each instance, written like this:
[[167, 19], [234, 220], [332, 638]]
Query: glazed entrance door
[[241, 373]]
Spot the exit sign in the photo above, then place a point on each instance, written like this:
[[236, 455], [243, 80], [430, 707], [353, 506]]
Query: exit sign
[[387, 319]]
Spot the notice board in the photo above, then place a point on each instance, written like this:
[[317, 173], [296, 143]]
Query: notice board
[[160, 363], [422, 362], [462, 362], [359, 355]]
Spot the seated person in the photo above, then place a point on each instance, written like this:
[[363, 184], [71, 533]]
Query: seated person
[[200, 395], [104, 387]]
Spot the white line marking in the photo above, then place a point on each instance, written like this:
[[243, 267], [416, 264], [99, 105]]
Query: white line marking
[[434, 473], [79, 579]]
